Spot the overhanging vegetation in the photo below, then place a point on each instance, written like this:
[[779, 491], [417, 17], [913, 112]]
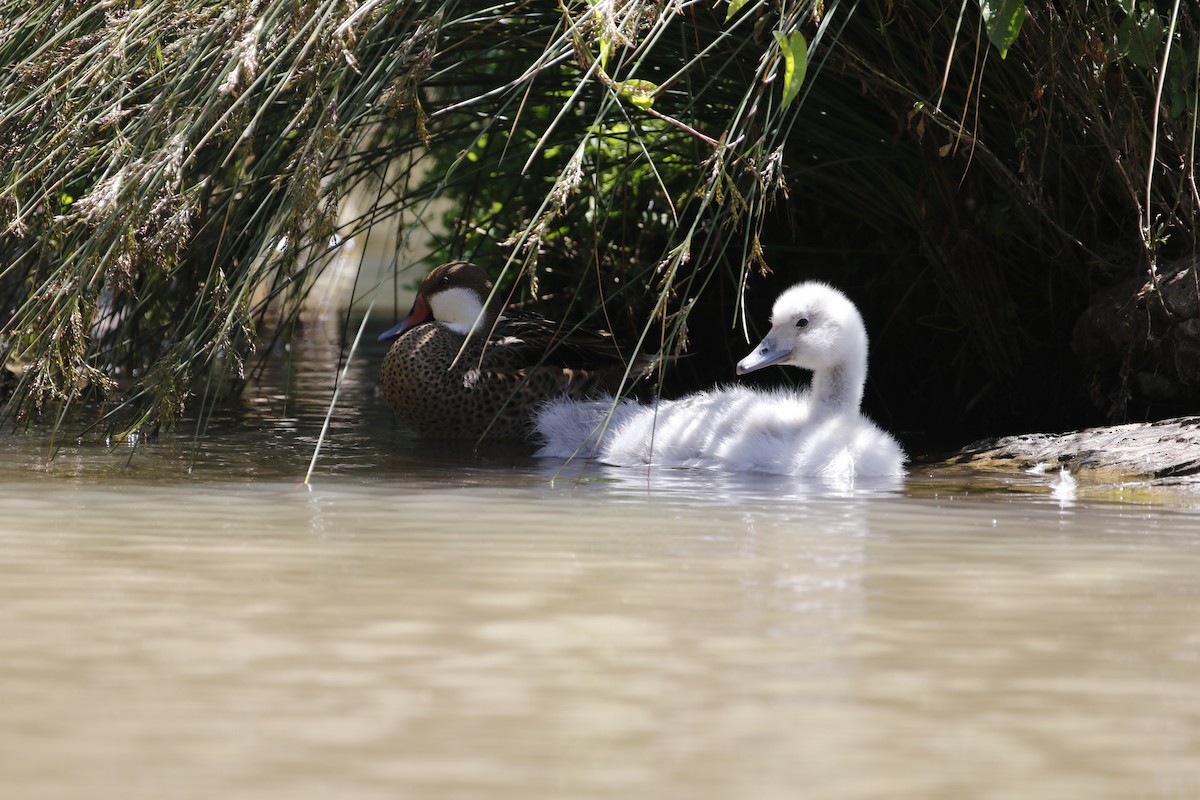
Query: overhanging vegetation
[[173, 168]]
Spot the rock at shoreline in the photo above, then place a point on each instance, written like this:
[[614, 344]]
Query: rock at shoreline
[[1169, 449]]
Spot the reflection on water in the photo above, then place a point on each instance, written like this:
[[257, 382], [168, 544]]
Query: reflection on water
[[437, 621]]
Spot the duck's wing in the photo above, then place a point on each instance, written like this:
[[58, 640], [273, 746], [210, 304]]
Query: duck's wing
[[529, 339], [535, 357]]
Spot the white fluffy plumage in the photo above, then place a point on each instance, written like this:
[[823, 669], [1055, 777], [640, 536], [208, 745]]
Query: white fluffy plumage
[[817, 433]]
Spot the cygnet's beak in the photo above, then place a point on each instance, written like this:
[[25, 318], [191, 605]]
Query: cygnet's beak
[[766, 354]]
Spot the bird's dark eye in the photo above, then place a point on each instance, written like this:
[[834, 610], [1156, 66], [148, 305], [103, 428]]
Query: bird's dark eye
[[802, 322]]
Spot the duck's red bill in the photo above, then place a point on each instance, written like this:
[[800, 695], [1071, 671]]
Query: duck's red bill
[[419, 313]]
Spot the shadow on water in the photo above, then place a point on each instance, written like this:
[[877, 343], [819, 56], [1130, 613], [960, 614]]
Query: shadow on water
[[270, 432]]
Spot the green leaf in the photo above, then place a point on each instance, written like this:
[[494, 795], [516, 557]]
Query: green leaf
[[639, 93], [1138, 39], [734, 7], [795, 63], [1003, 19]]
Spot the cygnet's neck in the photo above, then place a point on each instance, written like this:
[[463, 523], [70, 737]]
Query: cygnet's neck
[[839, 388]]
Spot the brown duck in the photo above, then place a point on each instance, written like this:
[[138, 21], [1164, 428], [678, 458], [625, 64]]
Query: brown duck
[[464, 366]]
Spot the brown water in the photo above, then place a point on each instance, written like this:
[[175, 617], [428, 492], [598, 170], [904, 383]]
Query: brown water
[[185, 620]]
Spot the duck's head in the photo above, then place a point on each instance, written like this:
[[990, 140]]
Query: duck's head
[[454, 295], [813, 326]]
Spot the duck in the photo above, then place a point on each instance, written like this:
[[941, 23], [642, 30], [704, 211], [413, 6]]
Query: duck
[[461, 364], [818, 432]]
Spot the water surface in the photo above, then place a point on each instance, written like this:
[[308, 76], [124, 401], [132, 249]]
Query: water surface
[[185, 619]]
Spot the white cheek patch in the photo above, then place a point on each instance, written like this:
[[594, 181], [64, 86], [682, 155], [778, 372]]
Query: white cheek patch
[[456, 308]]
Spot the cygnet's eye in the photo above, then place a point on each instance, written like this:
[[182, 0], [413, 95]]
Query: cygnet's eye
[[802, 322]]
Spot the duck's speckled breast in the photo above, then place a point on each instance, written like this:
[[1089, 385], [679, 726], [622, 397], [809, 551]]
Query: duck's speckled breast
[[432, 397]]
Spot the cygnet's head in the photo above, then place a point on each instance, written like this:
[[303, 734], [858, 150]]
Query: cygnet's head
[[813, 326], [453, 295]]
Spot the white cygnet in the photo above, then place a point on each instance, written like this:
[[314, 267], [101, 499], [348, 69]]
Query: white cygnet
[[818, 432]]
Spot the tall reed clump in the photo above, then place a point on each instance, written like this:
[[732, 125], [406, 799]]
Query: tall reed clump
[[169, 167], [172, 171]]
